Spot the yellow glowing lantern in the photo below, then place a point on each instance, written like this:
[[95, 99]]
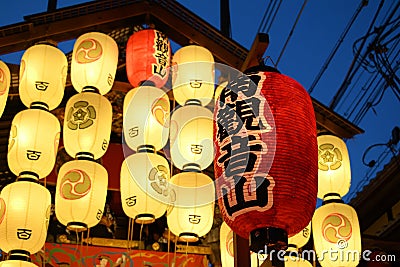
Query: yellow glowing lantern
[[193, 205], [33, 143], [228, 250], [301, 238], [81, 194], [24, 217], [94, 62], [17, 263], [5, 80], [226, 245], [144, 185], [191, 136], [336, 231], [87, 125], [146, 117], [334, 172], [193, 76], [43, 73]]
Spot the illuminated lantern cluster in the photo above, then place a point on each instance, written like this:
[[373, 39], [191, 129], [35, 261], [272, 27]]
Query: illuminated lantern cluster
[[335, 224], [32, 149], [266, 149], [145, 192], [192, 148], [82, 183]]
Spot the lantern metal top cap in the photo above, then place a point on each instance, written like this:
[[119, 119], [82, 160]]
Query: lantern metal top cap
[[19, 254], [194, 102], [146, 149], [191, 167], [332, 198]]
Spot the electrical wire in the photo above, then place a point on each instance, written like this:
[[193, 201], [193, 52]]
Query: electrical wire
[[269, 16], [353, 66], [291, 31], [363, 3]]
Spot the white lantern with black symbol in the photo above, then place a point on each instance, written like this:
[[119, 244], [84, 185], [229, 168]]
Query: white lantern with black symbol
[[87, 125], [336, 229], [33, 143], [191, 136], [81, 194], [94, 62], [146, 117], [43, 73], [5, 81], [193, 74], [192, 213], [334, 174], [24, 218], [301, 238], [145, 194]]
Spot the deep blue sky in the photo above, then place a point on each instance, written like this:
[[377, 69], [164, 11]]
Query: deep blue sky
[[317, 32]]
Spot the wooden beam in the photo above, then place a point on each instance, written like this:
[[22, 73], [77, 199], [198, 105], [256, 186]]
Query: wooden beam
[[241, 251], [257, 50]]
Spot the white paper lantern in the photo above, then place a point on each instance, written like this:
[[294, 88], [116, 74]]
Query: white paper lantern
[[81, 194], [301, 238], [193, 209], [336, 233], [43, 73], [94, 62], [17, 263], [334, 174], [193, 76], [87, 125], [191, 136], [33, 143], [146, 117], [144, 186], [26, 217], [5, 80]]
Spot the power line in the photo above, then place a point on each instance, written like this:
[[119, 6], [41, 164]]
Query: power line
[[337, 45], [353, 68], [291, 31]]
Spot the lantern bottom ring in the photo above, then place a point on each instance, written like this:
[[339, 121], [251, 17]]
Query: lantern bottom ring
[[268, 238], [145, 218], [77, 226], [188, 237], [28, 176], [19, 254]]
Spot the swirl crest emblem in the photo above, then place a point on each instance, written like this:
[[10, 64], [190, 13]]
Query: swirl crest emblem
[[75, 184]]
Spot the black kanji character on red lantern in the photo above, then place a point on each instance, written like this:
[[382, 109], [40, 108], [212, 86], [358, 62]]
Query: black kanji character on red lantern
[[228, 122], [243, 84], [236, 199], [248, 111], [240, 155], [161, 43]]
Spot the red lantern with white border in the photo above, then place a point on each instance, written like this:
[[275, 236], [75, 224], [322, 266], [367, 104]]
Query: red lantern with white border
[[148, 56], [266, 157]]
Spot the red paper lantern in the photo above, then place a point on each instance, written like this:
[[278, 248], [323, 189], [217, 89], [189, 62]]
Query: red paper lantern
[[266, 157], [148, 55]]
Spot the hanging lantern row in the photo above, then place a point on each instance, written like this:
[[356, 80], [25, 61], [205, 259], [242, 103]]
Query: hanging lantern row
[[32, 149], [335, 224], [82, 184]]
